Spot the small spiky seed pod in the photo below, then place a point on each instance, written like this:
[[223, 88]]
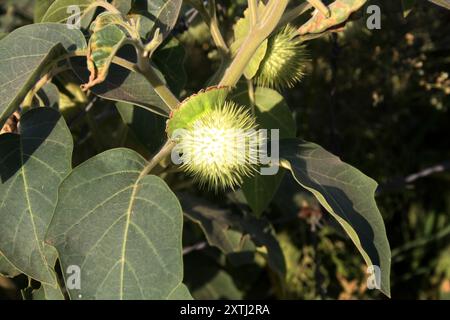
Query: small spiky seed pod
[[285, 60], [218, 140]]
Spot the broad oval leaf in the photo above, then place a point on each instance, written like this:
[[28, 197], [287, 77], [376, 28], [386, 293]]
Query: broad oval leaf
[[32, 166], [147, 127], [121, 228], [24, 53], [60, 11], [233, 234], [348, 195]]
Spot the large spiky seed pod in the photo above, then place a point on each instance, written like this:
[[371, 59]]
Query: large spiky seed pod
[[217, 139], [285, 60]]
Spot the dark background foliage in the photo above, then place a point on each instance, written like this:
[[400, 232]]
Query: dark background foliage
[[380, 100]]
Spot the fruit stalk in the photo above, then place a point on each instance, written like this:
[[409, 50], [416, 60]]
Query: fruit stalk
[[258, 33]]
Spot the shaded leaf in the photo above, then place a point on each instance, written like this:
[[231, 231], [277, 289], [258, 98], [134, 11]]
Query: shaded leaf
[[124, 85], [46, 291], [153, 14], [230, 232], [271, 112], [147, 127], [207, 281], [347, 194], [125, 236], [169, 59], [124, 6], [24, 53], [33, 164], [7, 269]]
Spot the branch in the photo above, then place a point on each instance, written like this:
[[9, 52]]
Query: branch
[[165, 151], [400, 183], [253, 7], [294, 13], [258, 33]]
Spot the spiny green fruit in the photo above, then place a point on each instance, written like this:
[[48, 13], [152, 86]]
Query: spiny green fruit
[[217, 139], [285, 60]]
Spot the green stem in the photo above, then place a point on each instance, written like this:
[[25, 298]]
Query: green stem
[[253, 7], [258, 33], [251, 95], [164, 152], [161, 89], [217, 36], [294, 13]]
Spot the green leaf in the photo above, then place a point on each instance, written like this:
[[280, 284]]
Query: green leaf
[[40, 8], [347, 194], [25, 53], [121, 228], [124, 6], [153, 14], [59, 11], [32, 164], [124, 85], [271, 112], [7, 269], [442, 3], [169, 59], [102, 48], [147, 127], [407, 6], [46, 291], [207, 281], [231, 233]]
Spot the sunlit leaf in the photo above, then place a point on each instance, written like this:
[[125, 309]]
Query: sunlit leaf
[[125, 236]]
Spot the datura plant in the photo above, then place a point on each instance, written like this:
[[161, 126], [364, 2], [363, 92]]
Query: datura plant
[[115, 162]]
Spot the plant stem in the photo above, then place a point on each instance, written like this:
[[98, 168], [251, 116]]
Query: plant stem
[[161, 89], [217, 36], [294, 13], [253, 7], [28, 100], [165, 151], [251, 95], [213, 24], [318, 4], [258, 33], [107, 6]]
